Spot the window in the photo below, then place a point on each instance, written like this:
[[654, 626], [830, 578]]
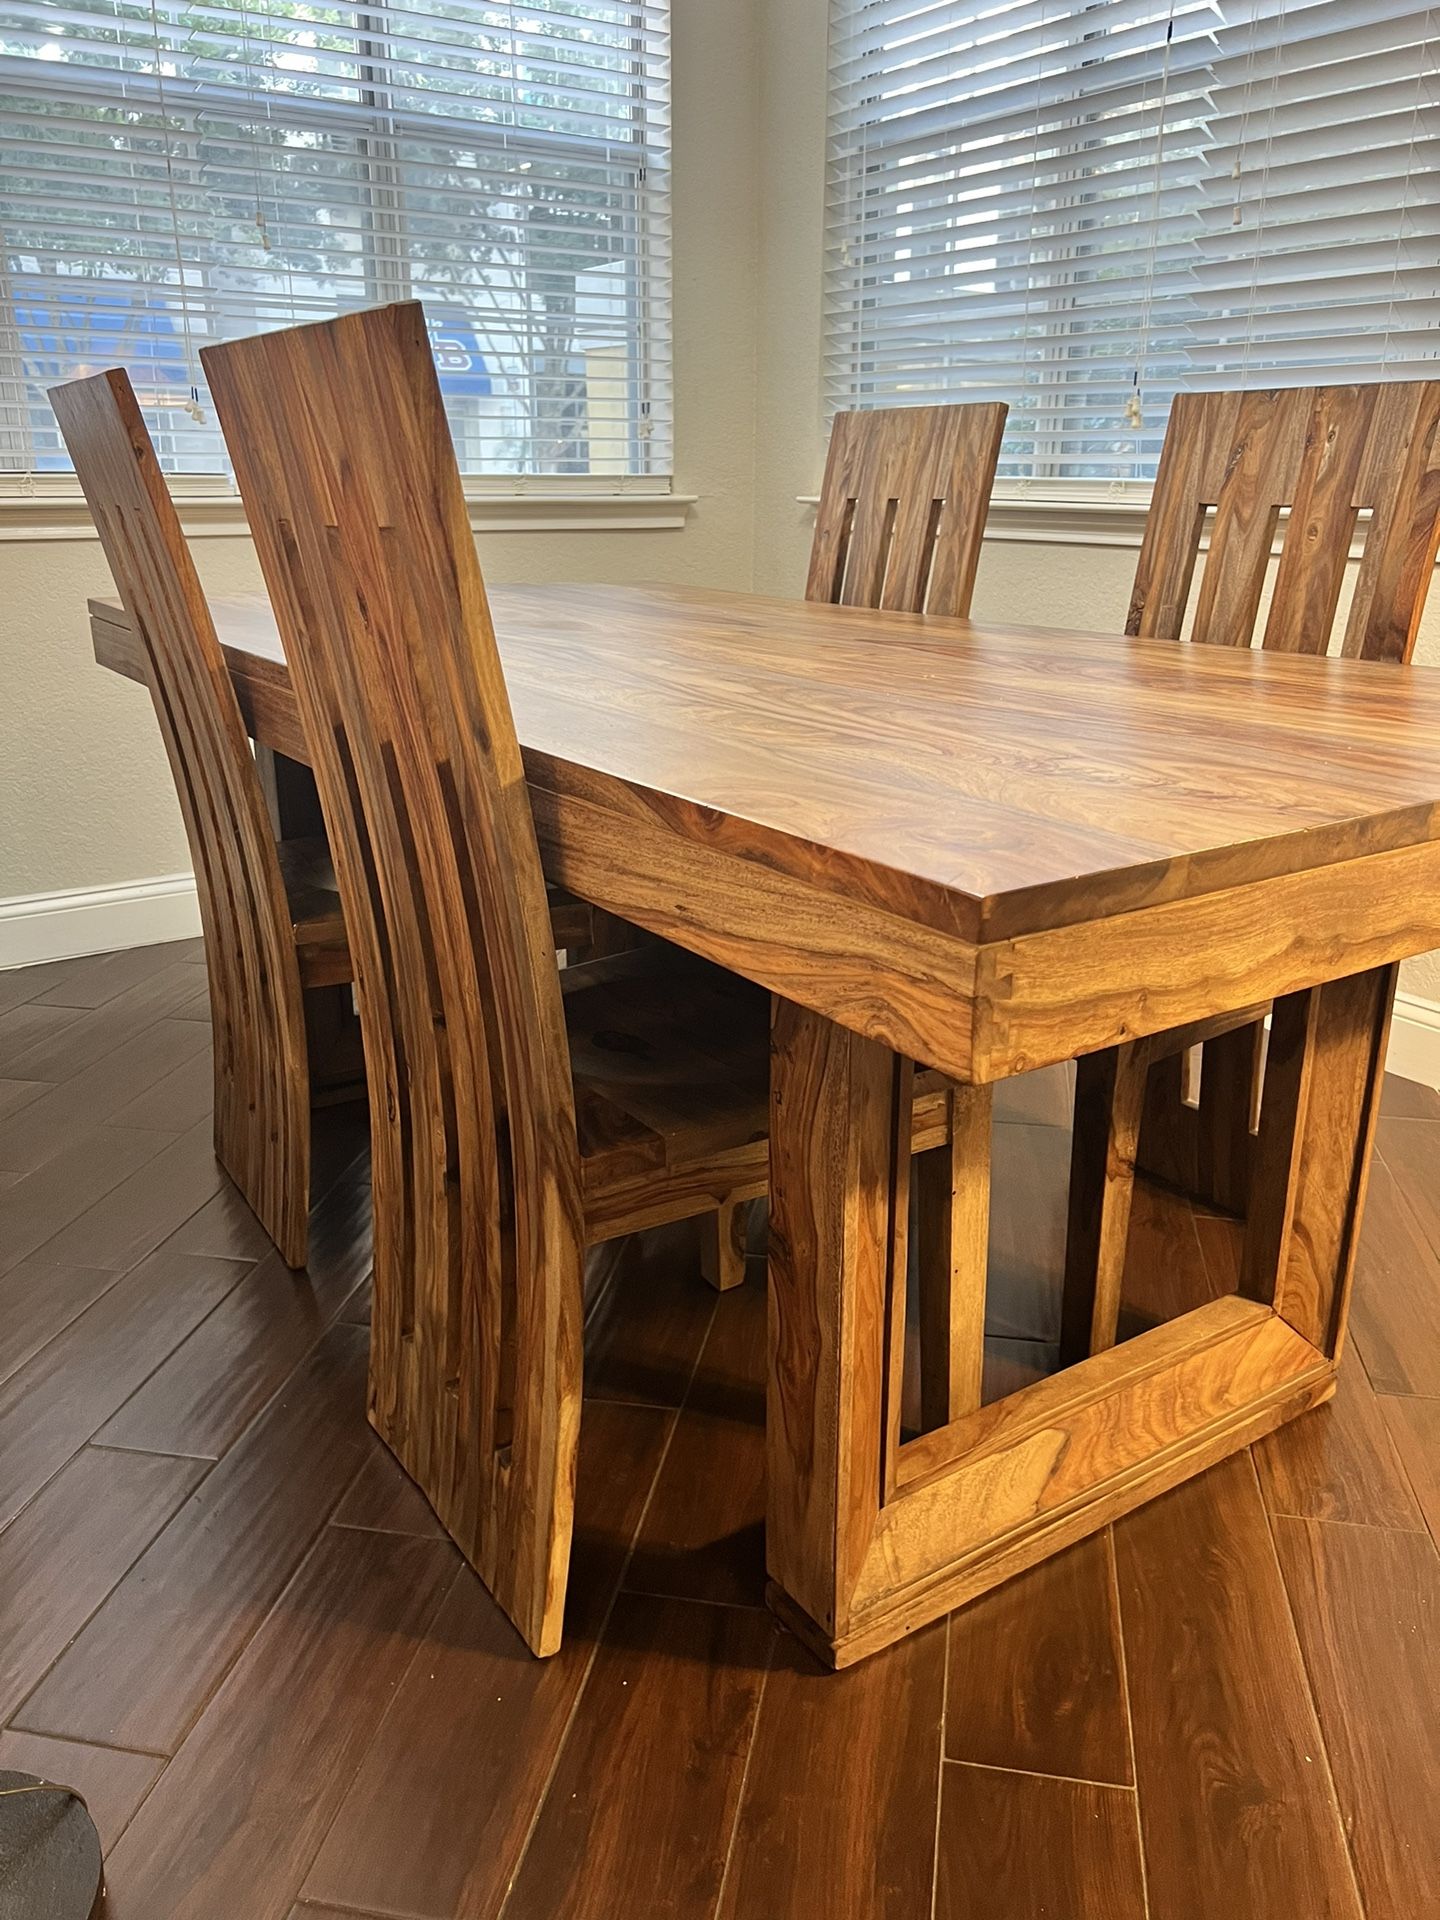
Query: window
[[1081, 206], [174, 172]]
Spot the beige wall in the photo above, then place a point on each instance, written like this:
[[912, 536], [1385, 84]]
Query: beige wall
[[85, 798]]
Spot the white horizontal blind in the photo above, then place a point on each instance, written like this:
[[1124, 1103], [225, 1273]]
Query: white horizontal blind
[[174, 172], [1081, 206]]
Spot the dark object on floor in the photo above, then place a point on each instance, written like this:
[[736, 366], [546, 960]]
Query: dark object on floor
[[50, 1866]]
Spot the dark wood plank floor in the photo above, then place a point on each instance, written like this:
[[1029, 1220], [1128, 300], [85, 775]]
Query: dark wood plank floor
[[228, 1619]]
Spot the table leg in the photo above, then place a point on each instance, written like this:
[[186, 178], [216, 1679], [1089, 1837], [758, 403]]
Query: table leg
[[869, 1536], [837, 1251], [1312, 1162]]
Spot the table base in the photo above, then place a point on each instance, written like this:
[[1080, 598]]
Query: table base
[[871, 1534]]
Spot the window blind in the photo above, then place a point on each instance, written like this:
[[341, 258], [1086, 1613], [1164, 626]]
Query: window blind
[[1082, 206], [174, 172]]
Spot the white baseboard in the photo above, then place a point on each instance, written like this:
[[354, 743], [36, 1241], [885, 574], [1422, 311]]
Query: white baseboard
[[59, 926], [1415, 1040], [141, 913]]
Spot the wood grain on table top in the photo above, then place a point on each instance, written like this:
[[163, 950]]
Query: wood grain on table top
[[985, 779]]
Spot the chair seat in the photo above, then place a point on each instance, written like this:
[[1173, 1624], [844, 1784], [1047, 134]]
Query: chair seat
[[314, 899], [671, 1065], [312, 891]]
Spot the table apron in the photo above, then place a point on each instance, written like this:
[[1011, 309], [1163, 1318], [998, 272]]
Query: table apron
[[983, 1013]]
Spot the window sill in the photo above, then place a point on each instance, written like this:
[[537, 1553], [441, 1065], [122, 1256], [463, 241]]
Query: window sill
[[1055, 516], [51, 512], [1079, 517]]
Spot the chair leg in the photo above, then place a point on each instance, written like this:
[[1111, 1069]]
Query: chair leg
[[722, 1244], [1109, 1100], [952, 1201], [262, 1139]]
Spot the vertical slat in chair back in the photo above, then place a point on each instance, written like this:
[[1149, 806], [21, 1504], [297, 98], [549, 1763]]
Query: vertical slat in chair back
[[255, 994], [1326, 453], [349, 479], [902, 508]]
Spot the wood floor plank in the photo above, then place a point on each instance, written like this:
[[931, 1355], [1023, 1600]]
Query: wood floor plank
[[1014, 1846], [44, 1127], [1395, 1308], [56, 1401], [38, 1207], [1236, 1806], [26, 1029], [644, 1333], [19, 984], [181, 1098], [112, 1783], [98, 977], [227, 1228], [703, 1536], [244, 1805], [15, 1094], [210, 1389], [1408, 1100], [196, 1006], [1367, 1605], [1339, 1462], [1414, 1426], [645, 1792], [838, 1815], [141, 1211], [1036, 1677], [1411, 1150], [82, 1037], [66, 1550], [383, 1496], [437, 1817], [142, 1669], [37, 1301]]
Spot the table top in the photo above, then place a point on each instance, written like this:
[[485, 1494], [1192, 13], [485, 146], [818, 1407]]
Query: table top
[[986, 780]]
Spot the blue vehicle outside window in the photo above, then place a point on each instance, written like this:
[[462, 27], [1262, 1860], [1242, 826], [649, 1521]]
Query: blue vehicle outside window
[[70, 327]]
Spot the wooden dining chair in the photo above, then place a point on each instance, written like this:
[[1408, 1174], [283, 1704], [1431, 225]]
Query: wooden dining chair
[[518, 1112], [1235, 462], [902, 507], [275, 942], [270, 912], [898, 527]]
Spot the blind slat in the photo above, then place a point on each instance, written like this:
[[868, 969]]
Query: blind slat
[[191, 170], [1082, 208]]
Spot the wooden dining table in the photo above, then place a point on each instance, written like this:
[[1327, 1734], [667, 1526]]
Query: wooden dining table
[[981, 849]]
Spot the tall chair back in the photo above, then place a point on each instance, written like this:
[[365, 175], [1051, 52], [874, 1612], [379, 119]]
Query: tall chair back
[[902, 508], [349, 478], [1326, 453], [262, 1086]]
